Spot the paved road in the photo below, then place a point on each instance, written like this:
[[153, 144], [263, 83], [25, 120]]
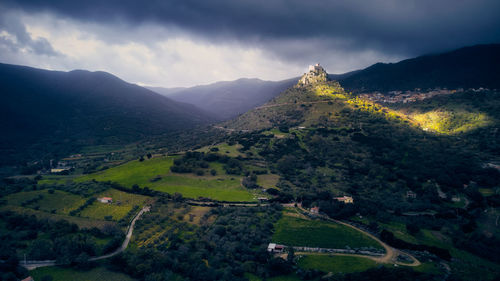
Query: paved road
[[30, 265]]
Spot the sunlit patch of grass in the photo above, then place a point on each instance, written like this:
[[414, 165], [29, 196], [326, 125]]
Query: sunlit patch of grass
[[331, 89], [451, 121]]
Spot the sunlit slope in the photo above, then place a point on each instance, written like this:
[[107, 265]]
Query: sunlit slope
[[320, 104], [453, 114], [328, 104]]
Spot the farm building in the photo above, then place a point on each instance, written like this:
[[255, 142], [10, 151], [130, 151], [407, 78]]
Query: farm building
[[315, 210], [275, 248], [345, 199], [105, 199], [29, 278]]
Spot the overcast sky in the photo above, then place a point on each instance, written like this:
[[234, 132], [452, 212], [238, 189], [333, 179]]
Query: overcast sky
[[185, 42]]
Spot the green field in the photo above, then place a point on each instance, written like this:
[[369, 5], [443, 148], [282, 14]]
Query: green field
[[219, 187], [66, 274], [80, 221], [463, 262], [336, 264], [225, 189], [133, 172], [122, 203], [268, 180], [60, 202], [224, 149], [293, 231], [55, 179]]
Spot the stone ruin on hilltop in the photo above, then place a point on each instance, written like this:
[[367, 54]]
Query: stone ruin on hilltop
[[316, 74]]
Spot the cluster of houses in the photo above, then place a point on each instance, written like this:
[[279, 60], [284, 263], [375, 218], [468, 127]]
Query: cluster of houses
[[406, 96], [343, 199]]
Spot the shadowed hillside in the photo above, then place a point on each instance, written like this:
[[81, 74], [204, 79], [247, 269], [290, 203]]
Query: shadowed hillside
[[62, 110], [229, 98], [469, 67]]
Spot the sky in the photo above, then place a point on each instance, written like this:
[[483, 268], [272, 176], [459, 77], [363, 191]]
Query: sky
[[180, 43]]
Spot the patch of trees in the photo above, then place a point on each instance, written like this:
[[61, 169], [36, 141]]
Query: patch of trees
[[87, 203], [32, 200], [45, 239], [479, 244], [232, 245], [233, 167], [388, 237], [196, 162], [84, 189], [250, 181], [14, 185]]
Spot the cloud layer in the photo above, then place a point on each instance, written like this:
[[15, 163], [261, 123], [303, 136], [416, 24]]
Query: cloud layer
[[227, 39]]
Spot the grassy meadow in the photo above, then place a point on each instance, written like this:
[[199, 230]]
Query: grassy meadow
[[224, 149], [336, 264], [122, 204], [65, 274], [219, 187], [58, 202], [292, 231]]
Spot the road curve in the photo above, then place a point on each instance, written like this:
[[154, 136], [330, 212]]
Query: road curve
[[391, 253], [30, 265], [127, 238]]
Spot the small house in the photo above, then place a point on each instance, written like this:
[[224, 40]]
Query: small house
[[345, 199], [314, 210], [29, 278], [105, 199], [275, 248], [59, 170], [411, 194]]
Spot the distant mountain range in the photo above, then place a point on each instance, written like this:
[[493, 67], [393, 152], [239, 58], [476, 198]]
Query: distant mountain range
[[57, 109], [469, 67], [53, 109], [229, 98]]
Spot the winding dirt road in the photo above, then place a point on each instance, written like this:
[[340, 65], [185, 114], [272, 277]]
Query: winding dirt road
[[30, 265]]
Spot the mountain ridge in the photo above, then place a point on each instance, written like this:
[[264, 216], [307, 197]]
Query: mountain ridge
[[227, 99], [467, 67], [84, 107]]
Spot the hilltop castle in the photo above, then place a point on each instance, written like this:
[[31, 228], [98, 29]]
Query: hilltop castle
[[316, 74], [316, 68]]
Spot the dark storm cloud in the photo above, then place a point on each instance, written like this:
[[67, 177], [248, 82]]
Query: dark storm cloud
[[400, 26], [19, 39]]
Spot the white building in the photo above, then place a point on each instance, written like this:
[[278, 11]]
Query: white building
[[275, 248], [105, 199]]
